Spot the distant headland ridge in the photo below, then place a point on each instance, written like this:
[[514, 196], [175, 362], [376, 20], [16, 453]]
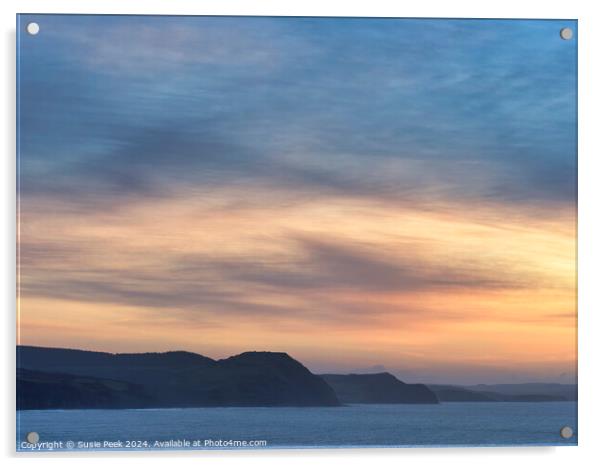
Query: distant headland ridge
[[59, 378]]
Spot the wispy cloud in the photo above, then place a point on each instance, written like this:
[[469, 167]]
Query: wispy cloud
[[387, 181], [333, 104]]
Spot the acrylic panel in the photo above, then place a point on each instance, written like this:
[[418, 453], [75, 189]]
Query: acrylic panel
[[288, 232]]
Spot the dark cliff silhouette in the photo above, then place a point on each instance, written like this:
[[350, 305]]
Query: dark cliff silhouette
[[65, 378], [57, 378], [45, 390], [378, 388]]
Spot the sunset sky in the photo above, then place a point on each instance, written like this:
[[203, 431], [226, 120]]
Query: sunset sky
[[357, 193]]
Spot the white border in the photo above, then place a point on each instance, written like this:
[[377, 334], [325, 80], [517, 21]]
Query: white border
[[590, 225]]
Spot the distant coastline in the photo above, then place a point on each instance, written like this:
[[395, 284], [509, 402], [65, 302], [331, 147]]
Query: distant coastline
[[59, 378]]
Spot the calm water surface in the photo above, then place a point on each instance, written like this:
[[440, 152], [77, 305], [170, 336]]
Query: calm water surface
[[447, 424]]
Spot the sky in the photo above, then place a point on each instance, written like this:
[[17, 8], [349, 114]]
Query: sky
[[363, 194]]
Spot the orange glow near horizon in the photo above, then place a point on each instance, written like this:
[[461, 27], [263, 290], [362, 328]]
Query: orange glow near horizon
[[338, 283], [360, 195]]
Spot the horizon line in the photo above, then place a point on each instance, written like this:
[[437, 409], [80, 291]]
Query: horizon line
[[575, 383]]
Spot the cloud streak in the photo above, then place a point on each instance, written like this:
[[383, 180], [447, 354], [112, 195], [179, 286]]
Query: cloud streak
[[304, 184], [271, 99]]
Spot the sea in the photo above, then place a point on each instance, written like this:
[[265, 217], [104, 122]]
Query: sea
[[358, 425]]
